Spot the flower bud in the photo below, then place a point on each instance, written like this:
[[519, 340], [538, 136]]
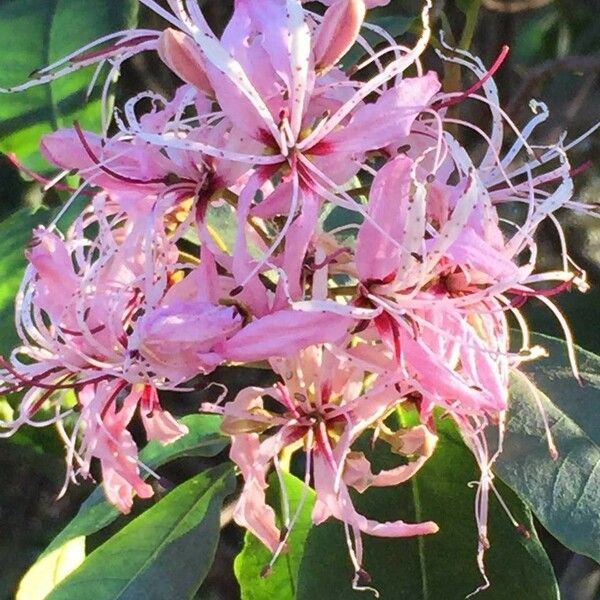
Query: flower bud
[[338, 32], [181, 54], [180, 340]]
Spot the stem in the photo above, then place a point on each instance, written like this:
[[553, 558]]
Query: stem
[[453, 75], [343, 290], [471, 23]]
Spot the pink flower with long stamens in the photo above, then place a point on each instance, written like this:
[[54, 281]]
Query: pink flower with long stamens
[[274, 80], [323, 411], [80, 301]]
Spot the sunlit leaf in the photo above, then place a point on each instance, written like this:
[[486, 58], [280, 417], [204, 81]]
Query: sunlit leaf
[[281, 582], [96, 513], [564, 493], [47, 573], [435, 566], [34, 33], [164, 553]]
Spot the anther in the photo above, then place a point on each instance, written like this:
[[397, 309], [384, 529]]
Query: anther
[[266, 571], [363, 576], [283, 535], [166, 484], [523, 531]]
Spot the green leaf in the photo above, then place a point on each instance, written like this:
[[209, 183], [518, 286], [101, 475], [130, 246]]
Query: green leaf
[[281, 582], [435, 566], [47, 573], [35, 33], [563, 493], [15, 233], [164, 553], [203, 439]]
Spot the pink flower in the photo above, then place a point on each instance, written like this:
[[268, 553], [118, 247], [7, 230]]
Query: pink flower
[[207, 241], [138, 175], [107, 439], [322, 411], [79, 305]]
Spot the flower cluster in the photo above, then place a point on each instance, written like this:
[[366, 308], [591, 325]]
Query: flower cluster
[[213, 236]]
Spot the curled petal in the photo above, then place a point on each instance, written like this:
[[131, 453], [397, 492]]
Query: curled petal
[[252, 510], [416, 441], [119, 491], [162, 426], [158, 423], [339, 504]]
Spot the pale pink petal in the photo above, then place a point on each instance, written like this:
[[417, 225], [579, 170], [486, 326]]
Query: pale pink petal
[[286, 39], [474, 253], [297, 241], [175, 337], [119, 491], [278, 202], [160, 425], [389, 119], [252, 511], [56, 281], [235, 92], [439, 378], [284, 333], [390, 201]]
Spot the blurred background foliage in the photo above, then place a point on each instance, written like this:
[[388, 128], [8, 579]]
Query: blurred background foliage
[[555, 57]]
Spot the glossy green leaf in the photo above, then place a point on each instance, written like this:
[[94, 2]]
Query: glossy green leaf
[[47, 573], [281, 582], [34, 33], [203, 439], [164, 553], [564, 493], [440, 565]]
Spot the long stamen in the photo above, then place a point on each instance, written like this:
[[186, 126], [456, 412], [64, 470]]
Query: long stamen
[[91, 154], [479, 84]]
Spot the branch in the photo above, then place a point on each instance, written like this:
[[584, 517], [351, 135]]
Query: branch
[[514, 6], [537, 75]]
